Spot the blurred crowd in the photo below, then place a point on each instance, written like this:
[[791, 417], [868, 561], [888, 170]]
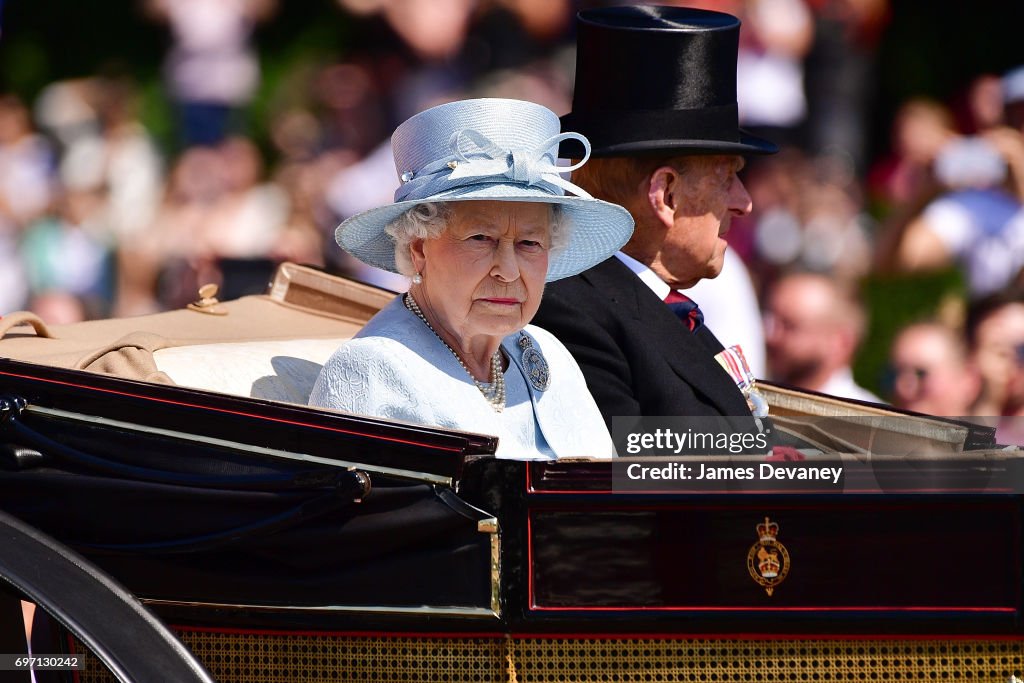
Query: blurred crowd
[[98, 219]]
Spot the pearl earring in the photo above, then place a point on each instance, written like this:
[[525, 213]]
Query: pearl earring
[[417, 279]]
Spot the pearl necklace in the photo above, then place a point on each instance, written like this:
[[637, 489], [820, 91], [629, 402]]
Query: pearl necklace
[[493, 391]]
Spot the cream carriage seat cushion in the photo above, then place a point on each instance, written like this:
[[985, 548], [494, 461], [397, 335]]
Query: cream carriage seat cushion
[[282, 370]]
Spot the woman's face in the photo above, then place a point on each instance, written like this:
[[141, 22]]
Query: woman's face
[[484, 275]]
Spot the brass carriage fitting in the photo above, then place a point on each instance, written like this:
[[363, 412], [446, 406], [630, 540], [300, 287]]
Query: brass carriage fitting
[[208, 302]]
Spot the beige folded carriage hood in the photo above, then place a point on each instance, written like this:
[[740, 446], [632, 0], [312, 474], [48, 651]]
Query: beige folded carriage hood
[[301, 303]]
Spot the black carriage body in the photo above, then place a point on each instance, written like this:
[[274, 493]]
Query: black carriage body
[[236, 518]]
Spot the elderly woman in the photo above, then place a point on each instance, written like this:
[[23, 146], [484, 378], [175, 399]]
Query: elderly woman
[[479, 224]]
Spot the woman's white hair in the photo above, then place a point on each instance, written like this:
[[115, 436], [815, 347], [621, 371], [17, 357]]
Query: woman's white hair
[[429, 219]]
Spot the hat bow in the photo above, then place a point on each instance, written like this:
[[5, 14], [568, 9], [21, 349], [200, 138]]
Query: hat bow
[[478, 160]]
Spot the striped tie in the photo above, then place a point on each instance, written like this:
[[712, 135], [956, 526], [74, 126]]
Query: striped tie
[[686, 310]]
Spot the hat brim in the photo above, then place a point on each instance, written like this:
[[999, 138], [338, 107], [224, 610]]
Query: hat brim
[[596, 229], [657, 140]]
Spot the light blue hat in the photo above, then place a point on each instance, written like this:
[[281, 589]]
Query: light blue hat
[[494, 149]]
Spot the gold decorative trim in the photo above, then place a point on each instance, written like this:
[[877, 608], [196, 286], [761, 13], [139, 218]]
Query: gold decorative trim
[[490, 526], [470, 612]]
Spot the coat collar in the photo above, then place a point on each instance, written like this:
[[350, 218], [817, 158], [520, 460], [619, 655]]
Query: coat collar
[[676, 344], [570, 424], [566, 413]]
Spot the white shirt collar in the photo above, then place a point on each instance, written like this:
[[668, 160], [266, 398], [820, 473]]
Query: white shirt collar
[[656, 284]]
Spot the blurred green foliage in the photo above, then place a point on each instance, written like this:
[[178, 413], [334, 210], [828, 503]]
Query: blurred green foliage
[[895, 301]]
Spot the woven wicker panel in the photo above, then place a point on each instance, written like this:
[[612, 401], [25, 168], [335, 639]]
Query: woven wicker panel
[[240, 658]]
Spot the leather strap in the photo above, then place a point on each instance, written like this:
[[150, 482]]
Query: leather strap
[[12, 320]]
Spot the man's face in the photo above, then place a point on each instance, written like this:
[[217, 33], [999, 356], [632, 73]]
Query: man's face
[[800, 329], [997, 340], [928, 374], [708, 195]]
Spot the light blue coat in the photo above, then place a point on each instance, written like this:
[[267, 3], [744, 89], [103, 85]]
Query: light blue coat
[[397, 368]]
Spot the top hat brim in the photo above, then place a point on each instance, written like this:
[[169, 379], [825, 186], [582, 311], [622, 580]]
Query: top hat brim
[[651, 142]]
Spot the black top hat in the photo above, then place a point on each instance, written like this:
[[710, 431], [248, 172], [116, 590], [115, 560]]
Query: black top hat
[[657, 80]]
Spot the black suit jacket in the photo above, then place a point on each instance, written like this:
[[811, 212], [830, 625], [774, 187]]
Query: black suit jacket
[[636, 355]]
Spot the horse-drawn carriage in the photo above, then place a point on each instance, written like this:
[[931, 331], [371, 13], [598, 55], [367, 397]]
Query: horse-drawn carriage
[[284, 543]]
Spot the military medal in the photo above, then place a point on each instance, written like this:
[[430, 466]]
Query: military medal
[[734, 362], [768, 560], [536, 367]]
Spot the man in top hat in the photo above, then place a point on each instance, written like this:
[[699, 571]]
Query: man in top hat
[[656, 96]]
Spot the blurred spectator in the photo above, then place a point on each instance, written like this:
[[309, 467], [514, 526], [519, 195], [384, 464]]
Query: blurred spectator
[[361, 172], [302, 175], [65, 111], [929, 371], [108, 152], [368, 183], [409, 61], [774, 42], [211, 70], [306, 163], [160, 271], [487, 34], [813, 329], [840, 76], [776, 37], [353, 109], [119, 156], [543, 82], [26, 165], [246, 219], [220, 222], [355, 127], [300, 239], [1009, 144], [996, 334], [1013, 98], [1010, 429], [983, 107], [510, 34], [70, 251], [13, 284], [995, 337], [977, 223], [433, 29], [243, 226], [58, 307], [920, 129], [810, 217]]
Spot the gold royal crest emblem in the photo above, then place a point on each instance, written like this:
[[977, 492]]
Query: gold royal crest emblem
[[768, 560]]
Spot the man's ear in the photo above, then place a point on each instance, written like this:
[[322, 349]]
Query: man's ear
[[661, 194]]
